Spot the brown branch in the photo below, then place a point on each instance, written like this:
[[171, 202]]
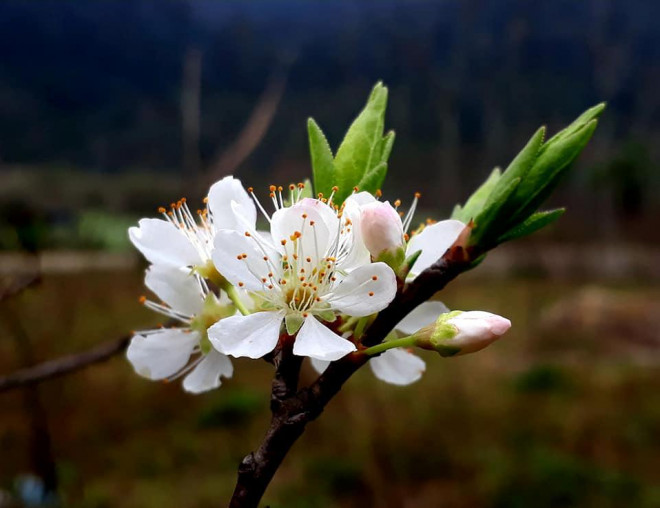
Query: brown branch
[[63, 365], [291, 414]]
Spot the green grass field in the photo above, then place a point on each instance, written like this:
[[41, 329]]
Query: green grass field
[[559, 413]]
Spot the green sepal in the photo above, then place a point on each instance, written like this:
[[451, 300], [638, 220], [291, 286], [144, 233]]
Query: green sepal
[[535, 222], [323, 166], [394, 259], [447, 351], [326, 315], [293, 322], [408, 264]]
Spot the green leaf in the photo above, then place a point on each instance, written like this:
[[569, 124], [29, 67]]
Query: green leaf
[[586, 117], [322, 161], [293, 322], [535, 222], [520, 167], [363, 146], [551, 164], [307, 191], [491, 212], [386, 146], [373, 179], [476, 202]]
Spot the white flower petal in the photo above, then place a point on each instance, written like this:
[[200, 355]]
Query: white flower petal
[[160, 355], [423, 315], [356, 252], [253, 336], [398, 367], [311, 219], [247, 272], [318, 341], [206, 376], [319, 365], [161, 242], [366, 290], [221, 195], [177, 287], [360, 198], [433, 241]]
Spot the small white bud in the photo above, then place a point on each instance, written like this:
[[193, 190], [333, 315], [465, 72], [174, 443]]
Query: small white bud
[[382, 229], [459, 333]]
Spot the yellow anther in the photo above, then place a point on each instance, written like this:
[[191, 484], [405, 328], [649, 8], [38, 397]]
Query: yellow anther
[[161, 209], [143, 300]]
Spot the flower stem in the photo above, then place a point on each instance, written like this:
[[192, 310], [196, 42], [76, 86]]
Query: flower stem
[[391, 344], [236, 299]]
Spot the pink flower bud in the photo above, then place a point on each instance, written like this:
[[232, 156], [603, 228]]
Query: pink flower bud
[[382, 229], [458, 333], [477, 329]]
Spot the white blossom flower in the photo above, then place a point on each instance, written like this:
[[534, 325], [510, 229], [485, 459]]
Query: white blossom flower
[[312, 266], [383, 230], [399, 366], [180, 239], [164, 353]]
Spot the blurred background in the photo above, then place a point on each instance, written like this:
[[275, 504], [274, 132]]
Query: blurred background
[[110, 109]]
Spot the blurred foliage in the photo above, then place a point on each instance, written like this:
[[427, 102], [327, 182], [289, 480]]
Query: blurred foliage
[[535, 420], [235, 408]]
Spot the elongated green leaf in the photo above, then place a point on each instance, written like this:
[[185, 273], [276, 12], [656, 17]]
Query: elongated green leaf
[[386, 146], [533, 223], [373, 179], [475, 203], [523, 162], [586, 117], [323, 167], [358, 152], [486, 222], [551, 164]]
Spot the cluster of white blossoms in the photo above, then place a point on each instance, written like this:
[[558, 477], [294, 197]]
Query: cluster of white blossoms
[[316, 278]]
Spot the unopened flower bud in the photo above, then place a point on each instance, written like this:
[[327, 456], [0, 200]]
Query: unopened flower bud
[[382, 229], [459, 333]]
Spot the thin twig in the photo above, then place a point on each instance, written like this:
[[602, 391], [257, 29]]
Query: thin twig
[[63, 365]]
